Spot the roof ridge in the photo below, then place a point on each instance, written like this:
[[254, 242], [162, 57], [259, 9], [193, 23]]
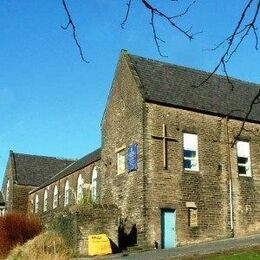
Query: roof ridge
[[193, 69], [44, 156], [75, 162], [59, 175]]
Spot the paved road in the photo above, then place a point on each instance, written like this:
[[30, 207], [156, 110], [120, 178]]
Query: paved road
[[191, 250]]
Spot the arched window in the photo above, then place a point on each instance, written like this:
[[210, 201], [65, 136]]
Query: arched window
[[36, 204], [45, 200], [7, 193], [55, 197], [94, 184], [80, 184], [67, 193]]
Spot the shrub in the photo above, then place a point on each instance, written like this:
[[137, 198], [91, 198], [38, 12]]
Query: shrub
[[64, 225], [16, 229], [47, 246]]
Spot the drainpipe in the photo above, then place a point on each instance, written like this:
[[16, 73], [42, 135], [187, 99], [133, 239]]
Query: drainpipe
[[230, 184]]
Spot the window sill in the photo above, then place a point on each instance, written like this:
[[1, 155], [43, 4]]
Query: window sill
[[245, 176], [190, 171]]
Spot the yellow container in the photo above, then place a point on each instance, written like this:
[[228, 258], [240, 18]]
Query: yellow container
[[99, 245]]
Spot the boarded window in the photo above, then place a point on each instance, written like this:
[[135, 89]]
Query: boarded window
[[55, 197], [80, 184], [121, 161], [36, 203], [45, 200], [67, 193], [193, 217], [7, 191], [94, 185]]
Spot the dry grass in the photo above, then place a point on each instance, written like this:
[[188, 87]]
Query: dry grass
[[47, 246], [16, 229]]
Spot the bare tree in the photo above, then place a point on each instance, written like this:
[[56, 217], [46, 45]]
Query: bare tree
[[245, 26]]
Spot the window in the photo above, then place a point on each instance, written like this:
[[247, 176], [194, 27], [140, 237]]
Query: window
[[80, 185], [2, 211], [243, 158], [94, 185], [67, 193], [55, 197], [45, 201], [190, 149], [121, 161], [7, 193], [36, 204]]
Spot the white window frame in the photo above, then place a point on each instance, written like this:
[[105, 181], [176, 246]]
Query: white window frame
[[121, 161], [66, 193], [36, 203], [243, 153], [80, 185], [94, 184], [55, 197], [190, 144], [45, 201]]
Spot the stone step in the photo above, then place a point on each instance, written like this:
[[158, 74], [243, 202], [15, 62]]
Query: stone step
[[136, 248]]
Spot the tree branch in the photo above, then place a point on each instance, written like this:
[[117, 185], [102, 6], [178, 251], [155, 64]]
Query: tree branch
[[184, 12], [71, 23], [255, 101], [241, 30], [170, 19], [233, 43], [127, 14]]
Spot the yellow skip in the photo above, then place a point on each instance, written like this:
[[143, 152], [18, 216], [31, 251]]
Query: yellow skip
[[99, 245]]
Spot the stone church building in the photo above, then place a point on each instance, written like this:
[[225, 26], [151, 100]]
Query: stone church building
[[25, 172], [169, 160]]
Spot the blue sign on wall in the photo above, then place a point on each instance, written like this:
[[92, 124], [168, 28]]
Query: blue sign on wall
[[132, 157]]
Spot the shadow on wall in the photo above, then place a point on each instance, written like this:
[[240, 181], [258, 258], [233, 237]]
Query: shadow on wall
[[126, 240]]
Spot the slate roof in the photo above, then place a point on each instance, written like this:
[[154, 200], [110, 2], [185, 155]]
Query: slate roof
[[170, 84], [2, 202], [77, 165], [33, 170]]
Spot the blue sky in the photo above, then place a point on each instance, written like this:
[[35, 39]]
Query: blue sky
[[51, 103]]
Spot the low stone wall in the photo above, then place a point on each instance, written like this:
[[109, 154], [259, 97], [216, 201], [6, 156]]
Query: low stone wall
[[77, 222], [101, 220]]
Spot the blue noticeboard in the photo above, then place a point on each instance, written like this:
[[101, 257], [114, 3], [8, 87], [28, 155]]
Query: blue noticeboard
[[132, 157]]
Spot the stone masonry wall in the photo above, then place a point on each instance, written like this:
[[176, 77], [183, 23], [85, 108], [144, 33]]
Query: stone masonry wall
[[77, 222], [100, 220], [246, 189], [8, 176], [207, 188], [122, 126], [20, 198], [86, 173]]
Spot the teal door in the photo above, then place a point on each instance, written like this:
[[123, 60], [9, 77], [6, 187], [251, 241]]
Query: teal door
[[168, 228]]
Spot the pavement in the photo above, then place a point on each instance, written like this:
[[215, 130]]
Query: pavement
[[195, 250]]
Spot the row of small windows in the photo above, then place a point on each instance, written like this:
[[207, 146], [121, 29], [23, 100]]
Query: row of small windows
[[191, 156], [67, 193]]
